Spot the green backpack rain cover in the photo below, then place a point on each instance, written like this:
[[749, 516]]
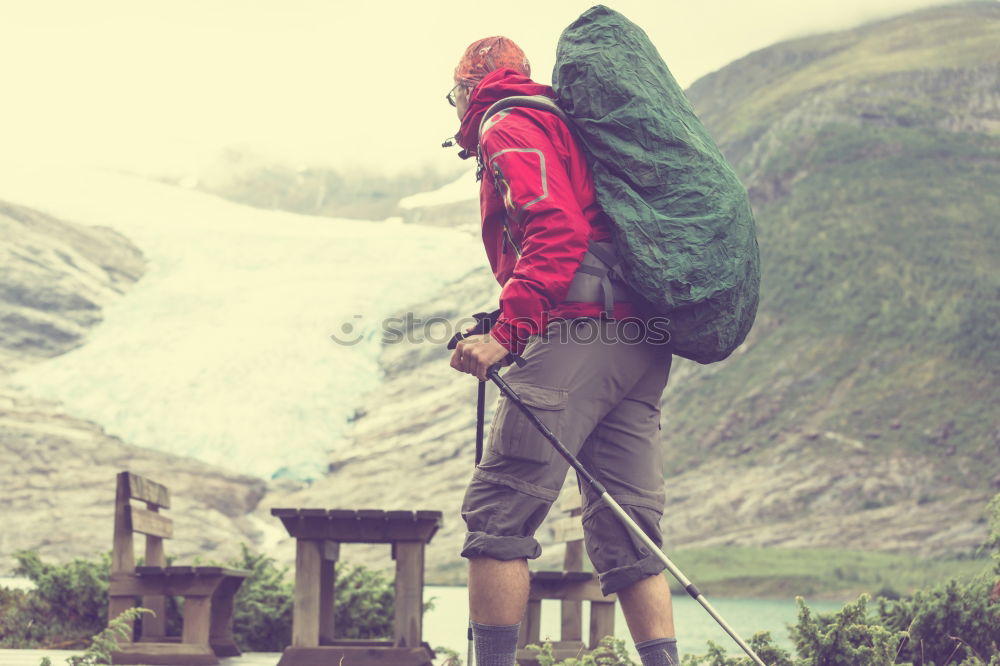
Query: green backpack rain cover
[[683, 224]]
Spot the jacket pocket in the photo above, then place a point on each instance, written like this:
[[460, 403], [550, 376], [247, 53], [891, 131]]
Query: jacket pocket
[[514, 436]]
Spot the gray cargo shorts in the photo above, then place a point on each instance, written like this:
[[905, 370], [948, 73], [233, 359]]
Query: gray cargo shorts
[[598, 390]]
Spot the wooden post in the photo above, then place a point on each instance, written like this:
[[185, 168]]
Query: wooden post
[[154, 626], [409, 609], [220, 635], [572, 611], [327, 591], [197, 620], [602, 621], [573, 560], [305, 613], [571, 626], [122, 556], [533, 621]]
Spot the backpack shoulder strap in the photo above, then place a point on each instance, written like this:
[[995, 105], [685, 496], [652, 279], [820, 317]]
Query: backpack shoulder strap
[[540, 102]]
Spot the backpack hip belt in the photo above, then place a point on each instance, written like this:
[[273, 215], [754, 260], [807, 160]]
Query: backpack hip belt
[[598, 279]]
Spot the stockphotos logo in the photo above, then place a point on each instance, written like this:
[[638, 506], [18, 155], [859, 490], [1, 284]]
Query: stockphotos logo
[[439, 330]]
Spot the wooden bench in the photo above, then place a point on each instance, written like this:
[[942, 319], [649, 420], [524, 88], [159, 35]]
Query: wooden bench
[[572, 587], [208, 591], [318, 534]]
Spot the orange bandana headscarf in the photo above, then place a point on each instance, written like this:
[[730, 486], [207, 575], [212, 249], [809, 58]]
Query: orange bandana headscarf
[[488, 55]]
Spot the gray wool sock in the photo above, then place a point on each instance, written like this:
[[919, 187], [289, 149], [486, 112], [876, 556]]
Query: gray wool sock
[[658, 652], [496, 645]]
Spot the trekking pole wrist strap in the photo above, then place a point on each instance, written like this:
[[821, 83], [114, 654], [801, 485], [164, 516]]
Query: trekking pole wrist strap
[[484, 322]]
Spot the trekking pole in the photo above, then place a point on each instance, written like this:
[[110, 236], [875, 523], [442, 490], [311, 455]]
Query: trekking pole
[[484, 320], [470, 658], [616, 508]]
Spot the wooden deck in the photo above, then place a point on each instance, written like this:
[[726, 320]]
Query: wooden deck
[[58, 657]]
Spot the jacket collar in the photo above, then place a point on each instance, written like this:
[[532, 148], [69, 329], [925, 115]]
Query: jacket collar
[[494, 87]]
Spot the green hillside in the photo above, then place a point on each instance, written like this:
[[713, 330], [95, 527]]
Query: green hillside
[[872, 157]]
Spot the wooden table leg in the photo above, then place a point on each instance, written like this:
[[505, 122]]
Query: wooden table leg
[[602, 621], [409, 593], [327, 588], [572, 611], [116, 606], [154, 627], [572, 620], [533, 622], [305, 613], [197, 620], [221, 633]]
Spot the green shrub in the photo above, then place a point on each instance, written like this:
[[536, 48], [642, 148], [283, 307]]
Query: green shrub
[[262, 613], [67, 606], [611, 652], [947, 624], [447, 657], [848, 636], [364, 604], [761, 643], [993, 542], [952, 624]]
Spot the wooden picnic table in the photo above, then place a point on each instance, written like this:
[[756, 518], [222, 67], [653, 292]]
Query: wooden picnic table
[[318, 534]]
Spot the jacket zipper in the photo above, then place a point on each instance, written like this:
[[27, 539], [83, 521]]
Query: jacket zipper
[[509, 239]]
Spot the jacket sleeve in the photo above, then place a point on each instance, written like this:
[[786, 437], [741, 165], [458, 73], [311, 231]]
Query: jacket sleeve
[[528, 163]]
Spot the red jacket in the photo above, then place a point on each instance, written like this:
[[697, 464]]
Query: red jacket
[[549, 202]]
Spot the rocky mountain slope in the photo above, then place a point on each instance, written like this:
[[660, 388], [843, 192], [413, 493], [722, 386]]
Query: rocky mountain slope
[[872, 158], [57, 471], [861, 412], [54, 278]]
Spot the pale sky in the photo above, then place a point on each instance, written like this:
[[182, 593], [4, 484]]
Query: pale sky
[[166, 84]]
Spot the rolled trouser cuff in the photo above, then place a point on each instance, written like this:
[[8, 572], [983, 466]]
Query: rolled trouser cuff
[[618, 579], [501, 513], [620, 557], [481, 544]]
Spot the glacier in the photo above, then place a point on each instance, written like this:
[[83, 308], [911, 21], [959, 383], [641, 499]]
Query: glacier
[[224, 351]]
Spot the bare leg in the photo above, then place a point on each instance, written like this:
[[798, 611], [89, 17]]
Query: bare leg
[[498, 590], [648, 610]]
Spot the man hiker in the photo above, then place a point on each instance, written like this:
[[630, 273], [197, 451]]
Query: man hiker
[[588, 375]]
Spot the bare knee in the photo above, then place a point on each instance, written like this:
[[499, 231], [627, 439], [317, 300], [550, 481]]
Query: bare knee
[[498, 590], [647, 608]]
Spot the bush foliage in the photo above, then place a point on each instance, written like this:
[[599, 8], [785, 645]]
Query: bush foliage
[[68, 605], [611, 652]]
